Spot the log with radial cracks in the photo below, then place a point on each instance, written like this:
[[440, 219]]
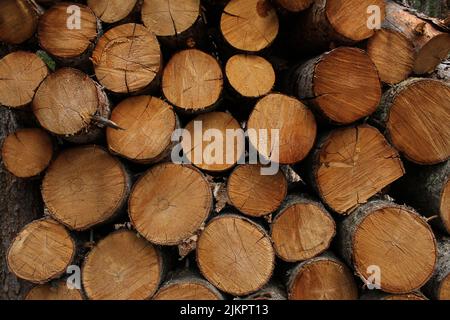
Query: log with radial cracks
[[85, 186], [18, 20], [111, 11], [57, 290]]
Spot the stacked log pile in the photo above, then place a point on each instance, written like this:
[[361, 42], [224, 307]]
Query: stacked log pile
[[92, 94]]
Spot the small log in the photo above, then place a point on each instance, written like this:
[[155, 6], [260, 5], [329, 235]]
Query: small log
[[294, 5], [26, 153], [21, 73], [18, 20], [302, 229], [147, 124], [255, 194], [350, 165], [111, 11], [416, 117], [392, 238], [342, 85], [439, 285], [192, 81], [272, 291], [41, 251], [54, 291], [321, 278], [235, 255], [127, 59], [380, 295], [170, 203], [85, 186], [249, 25], [295, 122], [122, 266]]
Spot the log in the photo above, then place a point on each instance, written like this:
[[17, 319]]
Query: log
[[41, 251], [235, 255], [122, 266], [59, 35], [321, 278], [170, 203], [192, 81], [438, 287], [66, 103], [147, 124], [392, 238], [250, 76], [427, 188], [253, 193], [431, 44], [342, 85], [18, 20], [112, 11], [27, 153], [294, 5], [213, 154], [249, 25], [350, 165], [379, 295], [416, 118], [127, 59], [302, 229], [295, 122], [272, 291], [84, 187], [54, 291], [21, 73], [392, 53]]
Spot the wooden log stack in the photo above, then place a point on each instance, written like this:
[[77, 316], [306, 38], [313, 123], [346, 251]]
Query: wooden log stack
[[353, 119]]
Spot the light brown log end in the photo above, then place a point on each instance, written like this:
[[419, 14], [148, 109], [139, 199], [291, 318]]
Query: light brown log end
[[111, 11], [54, 291]]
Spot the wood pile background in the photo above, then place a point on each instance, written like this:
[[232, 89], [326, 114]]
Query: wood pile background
[[86, 120]]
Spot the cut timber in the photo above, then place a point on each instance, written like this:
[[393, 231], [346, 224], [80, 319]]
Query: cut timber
[[170, 203], [249, 75], [127, 59], [147, 123], [431, 45], [302, 229], [85, 186], [192, 81], [294, 5], [21, 73], [122, 266], [416, 116], [41, 251], [235, 255], [350, 165], [439, 285], [249, 25], [393, 55], [59, 34], [214, 153], [427, 188], [393, 238], [380, 295], [66, 102], [321, 278], [188, 287], [253, 193], [272, 291], [26, 153], [111, 11], [54, 291], [295, 122], [18, 20], [329, 22], [175, 23], [342, 85]]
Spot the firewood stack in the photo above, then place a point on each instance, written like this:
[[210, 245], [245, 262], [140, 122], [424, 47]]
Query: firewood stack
[[91, 93]]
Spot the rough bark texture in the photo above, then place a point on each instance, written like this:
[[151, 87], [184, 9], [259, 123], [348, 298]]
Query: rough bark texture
[[442, 271]]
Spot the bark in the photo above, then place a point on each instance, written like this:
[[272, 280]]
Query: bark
[[442, 272]]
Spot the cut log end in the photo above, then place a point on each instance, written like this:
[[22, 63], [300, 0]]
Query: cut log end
[[127, 58], [431, 55], [122, 266], [192, 81], [250, 76], [235, 255], [294, 5], [445, 206], [147, 123], [295, 122], [188, 288], [41, 251], [249, 25], [170, 203], [85, 186], [111, 11], [21, 73], [18, 21], [255, 194], [26, 153], [54, 291]]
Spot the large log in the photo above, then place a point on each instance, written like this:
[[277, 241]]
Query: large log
[[18, 20]]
